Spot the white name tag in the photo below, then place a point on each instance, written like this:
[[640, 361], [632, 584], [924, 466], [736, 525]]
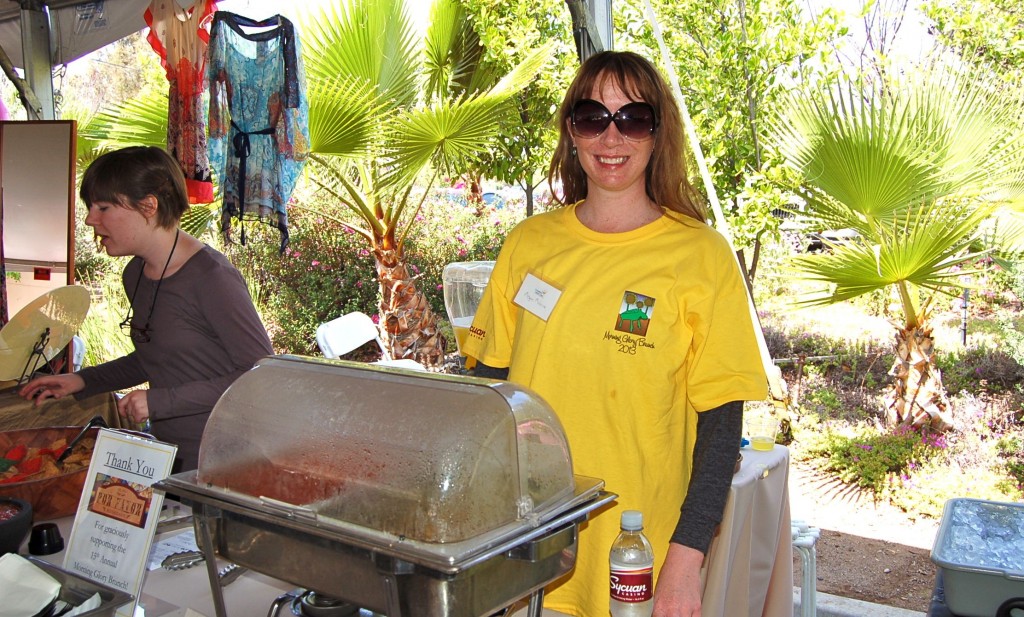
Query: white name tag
[[538, 297]]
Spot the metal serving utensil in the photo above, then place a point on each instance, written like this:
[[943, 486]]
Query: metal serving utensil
[[230, 574], [96, 421], [182, 560]]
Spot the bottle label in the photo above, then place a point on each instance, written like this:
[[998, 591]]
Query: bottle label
[[632, 585]]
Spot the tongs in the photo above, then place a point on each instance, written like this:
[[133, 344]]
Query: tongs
[[96, 421]]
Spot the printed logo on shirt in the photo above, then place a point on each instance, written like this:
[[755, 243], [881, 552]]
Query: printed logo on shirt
[[631, 323], [635, 313]]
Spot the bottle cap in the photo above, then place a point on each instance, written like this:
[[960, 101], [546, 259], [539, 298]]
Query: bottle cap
[[632, 520]]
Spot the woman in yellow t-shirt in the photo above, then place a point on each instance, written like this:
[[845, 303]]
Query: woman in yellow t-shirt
[[627, 313]]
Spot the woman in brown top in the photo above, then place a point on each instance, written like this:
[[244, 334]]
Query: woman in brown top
[[191, 319]]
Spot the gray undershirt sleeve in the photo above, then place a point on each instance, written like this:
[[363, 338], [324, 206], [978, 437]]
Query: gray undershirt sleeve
[[490, 372], [714, 458]]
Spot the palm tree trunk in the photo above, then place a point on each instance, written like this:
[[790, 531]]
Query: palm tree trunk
[[410, 325], [917, 397]]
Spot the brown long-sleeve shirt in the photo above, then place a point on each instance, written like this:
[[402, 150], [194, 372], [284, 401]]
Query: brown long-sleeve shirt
[[204, 332]]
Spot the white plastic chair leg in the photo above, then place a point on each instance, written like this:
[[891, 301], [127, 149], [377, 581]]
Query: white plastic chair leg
[[805, 538]]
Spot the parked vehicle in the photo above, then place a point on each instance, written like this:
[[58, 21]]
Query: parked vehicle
[[824, 240]]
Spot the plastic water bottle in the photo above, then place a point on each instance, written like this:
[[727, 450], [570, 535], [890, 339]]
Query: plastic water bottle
[[632, 569]]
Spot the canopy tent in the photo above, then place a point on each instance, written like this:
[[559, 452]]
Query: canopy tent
[[36, 35], [76, 28]]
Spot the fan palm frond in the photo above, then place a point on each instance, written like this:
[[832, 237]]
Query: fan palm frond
[[871, 153], [338, 112], [924, 250], [141, 121], [368, 40]]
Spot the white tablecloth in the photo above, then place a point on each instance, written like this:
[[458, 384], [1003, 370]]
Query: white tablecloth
[[749, 568]]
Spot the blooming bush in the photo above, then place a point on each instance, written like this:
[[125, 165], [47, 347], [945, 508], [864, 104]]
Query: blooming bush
[[325, 272], [448, 232], [327, 269], [872, 458]]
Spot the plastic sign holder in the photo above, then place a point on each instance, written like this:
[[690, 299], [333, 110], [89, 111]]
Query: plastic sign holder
[[118, 512]]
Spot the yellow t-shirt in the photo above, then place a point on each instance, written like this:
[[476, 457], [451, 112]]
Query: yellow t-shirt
[[644, 329]]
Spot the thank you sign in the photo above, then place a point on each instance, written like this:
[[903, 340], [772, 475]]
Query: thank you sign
[[118, 512]]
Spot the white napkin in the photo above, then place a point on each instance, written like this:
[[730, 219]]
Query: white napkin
[[27, 588]]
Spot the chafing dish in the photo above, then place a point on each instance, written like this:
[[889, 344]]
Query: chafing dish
[[401, 492]]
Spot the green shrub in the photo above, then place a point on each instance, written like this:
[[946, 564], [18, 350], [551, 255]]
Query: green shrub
[[326, 271], [1010, 449], [91, 263], [1009, 326], [869, 457], [824, 397], [450, 232], [979, 369], [101, 329], [926, 487]]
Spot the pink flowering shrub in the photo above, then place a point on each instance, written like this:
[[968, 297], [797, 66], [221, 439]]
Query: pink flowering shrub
[[325, 272], [327, 269], [448, 232], [870, 457]]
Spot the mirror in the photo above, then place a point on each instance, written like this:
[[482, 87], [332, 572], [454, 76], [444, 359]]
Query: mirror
[[37, 184]]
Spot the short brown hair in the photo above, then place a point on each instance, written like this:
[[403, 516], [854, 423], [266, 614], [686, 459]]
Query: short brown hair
[[666, 180], [129, 175]]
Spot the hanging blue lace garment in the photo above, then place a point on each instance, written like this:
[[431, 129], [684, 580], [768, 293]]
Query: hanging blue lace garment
[[259, 118]]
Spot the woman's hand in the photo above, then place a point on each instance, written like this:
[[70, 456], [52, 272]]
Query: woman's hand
[[678, 591], [51, 386], [134, 406]]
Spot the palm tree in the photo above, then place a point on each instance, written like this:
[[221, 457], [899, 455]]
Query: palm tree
[[382, 118], [913, 168]]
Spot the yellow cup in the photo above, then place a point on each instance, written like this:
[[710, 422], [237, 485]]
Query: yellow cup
[[762, 430]]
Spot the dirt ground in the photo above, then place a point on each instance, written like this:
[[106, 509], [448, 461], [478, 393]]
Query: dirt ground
[[866, 551], [873, 570]]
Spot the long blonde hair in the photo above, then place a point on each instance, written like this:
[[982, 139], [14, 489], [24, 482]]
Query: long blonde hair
[[666, 180]]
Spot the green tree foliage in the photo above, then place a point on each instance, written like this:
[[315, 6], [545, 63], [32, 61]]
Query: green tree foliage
[[123, 70], [508, 31], [989, 33], [735, 60]]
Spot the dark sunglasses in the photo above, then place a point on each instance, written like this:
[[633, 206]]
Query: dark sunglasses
[[635, 121], [137, 334]]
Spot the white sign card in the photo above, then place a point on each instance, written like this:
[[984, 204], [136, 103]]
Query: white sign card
[[118, 513]]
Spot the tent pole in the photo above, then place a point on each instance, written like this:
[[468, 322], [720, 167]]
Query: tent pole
[[35, 45], [776, 386], [591, 35]]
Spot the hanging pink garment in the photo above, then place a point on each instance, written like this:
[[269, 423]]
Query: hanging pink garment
[[4, 115], [180, 36]]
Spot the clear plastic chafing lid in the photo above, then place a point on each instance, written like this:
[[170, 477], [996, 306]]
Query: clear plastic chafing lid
[[425, 456]]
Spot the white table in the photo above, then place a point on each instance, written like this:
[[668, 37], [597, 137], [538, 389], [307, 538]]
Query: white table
[[748, 571], [749, 567]]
